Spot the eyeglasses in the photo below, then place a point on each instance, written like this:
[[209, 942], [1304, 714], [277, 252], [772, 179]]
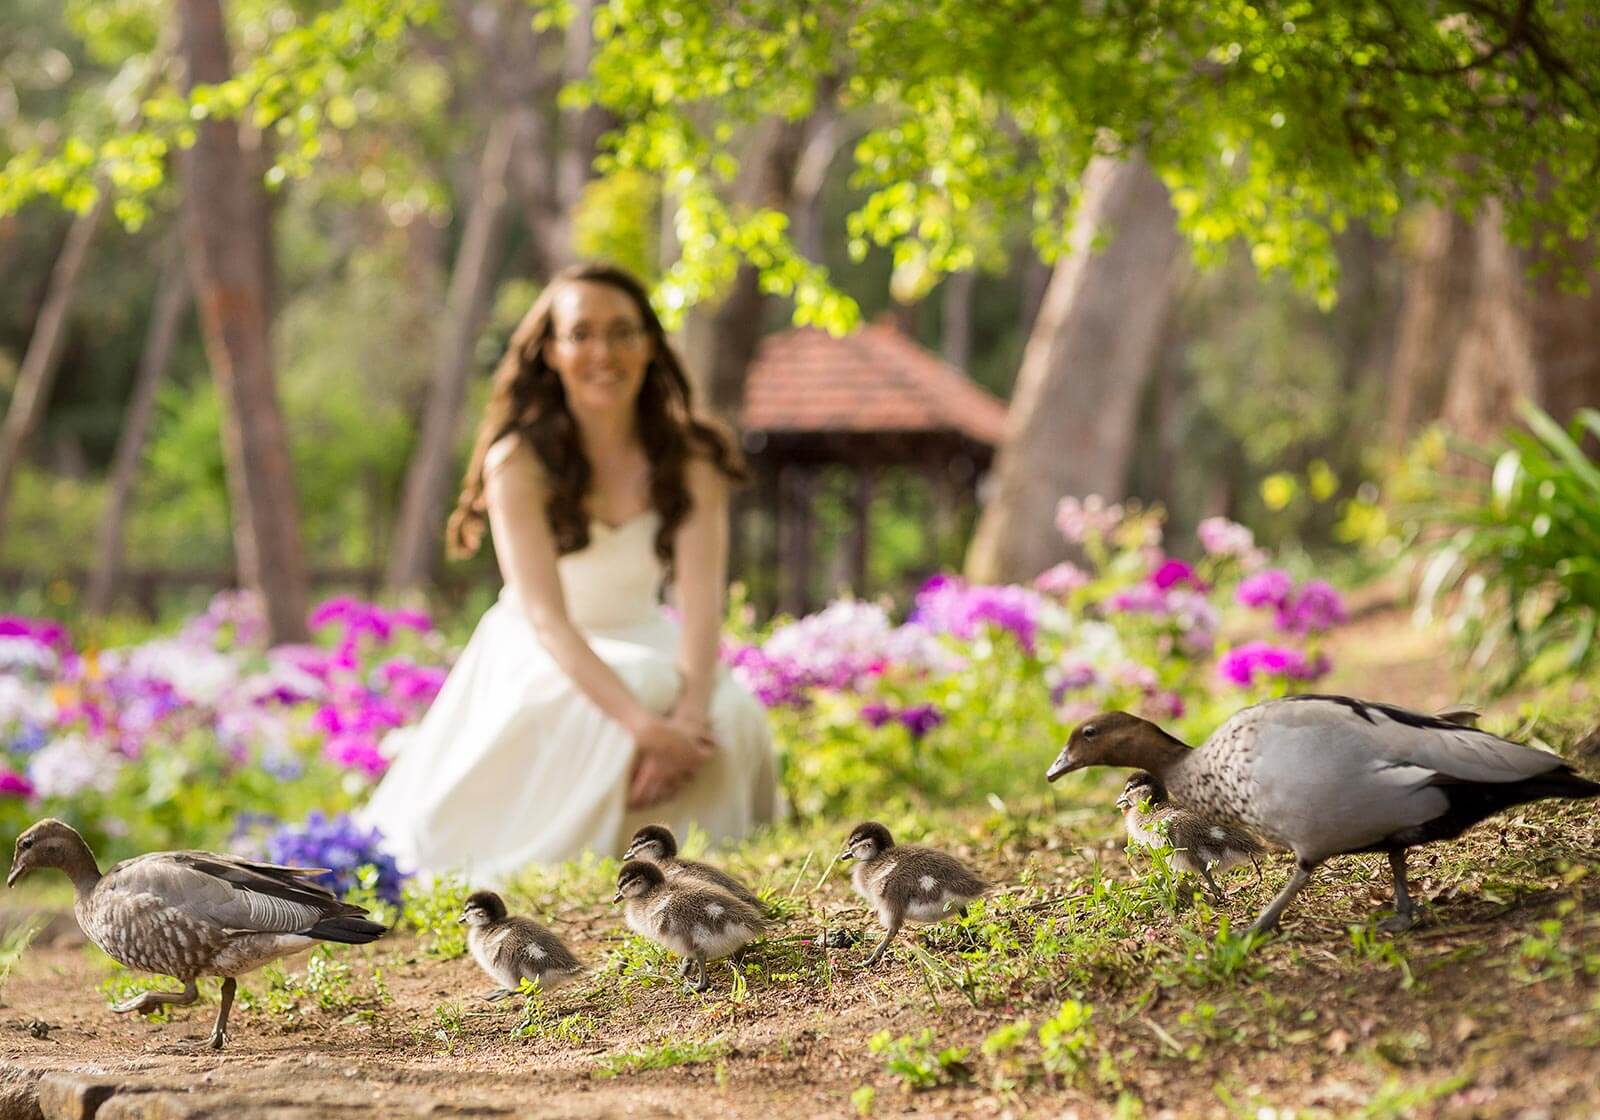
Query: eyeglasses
[[616, 338]]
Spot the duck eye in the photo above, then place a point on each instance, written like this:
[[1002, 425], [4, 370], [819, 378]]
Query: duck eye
[[26, 844], [1091, 731]]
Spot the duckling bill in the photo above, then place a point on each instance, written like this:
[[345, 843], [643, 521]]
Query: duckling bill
[[1199, 846], [191, 914], [1329, 775], [512, 949], [695, 921], [902, 882]]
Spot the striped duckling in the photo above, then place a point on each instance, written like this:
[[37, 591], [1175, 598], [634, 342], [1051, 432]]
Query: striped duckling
[[656, 844], [907, 881], [511, 949], [1328, 775], [694, 920], [191, 914], [1199, 846]]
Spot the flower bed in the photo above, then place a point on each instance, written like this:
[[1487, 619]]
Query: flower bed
[[208, 738]]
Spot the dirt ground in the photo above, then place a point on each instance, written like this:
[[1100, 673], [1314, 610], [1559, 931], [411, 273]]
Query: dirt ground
[[1490, 1009]]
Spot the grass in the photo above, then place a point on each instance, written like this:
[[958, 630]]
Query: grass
[[665, 1054]]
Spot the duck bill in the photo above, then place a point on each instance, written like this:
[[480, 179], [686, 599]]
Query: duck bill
[[17, 872], [617, 897], [631, 853], [847, 854], [1059, 767]]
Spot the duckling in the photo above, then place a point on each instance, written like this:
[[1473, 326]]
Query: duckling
[[1329, 775], [191, 914], [1199, 846], [512, 949], [655, 843], [901, 881], [696, 921]]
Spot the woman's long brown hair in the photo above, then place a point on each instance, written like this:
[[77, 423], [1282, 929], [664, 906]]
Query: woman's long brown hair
[[527, 399]]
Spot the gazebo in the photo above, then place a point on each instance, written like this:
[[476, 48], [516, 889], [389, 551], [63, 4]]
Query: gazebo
[[870, 401]]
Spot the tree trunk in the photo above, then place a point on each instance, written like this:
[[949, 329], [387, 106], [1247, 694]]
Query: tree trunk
[[230, 270], [417, 538], [720, 342], [1477, 333], [1071, 424], [45, 346], [955, 335], [172, 299]]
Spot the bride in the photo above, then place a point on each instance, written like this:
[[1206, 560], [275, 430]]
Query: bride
[[580, 709]]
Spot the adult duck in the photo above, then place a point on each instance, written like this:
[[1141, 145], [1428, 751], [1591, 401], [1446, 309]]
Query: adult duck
[[1329, 775], [191, 914]]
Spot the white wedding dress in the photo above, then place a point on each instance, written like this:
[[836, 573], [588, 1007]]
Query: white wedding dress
[[513, 765]]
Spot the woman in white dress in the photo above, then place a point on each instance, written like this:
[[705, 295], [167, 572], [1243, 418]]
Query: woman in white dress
[[580, 710]]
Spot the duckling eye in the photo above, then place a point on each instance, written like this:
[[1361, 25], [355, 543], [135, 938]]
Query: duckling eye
[[26, 844]]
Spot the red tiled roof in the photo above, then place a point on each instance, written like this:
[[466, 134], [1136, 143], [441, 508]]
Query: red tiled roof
[[874, 380]]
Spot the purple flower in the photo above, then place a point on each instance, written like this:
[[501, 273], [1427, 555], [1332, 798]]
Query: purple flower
[[1165, 705], [949, 606], [1269, 588], [1245, 664], [340, 845], [920, 719], [1314, 608], [876, 714], [29, 738]]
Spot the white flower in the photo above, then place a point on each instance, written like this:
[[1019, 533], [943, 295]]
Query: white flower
[[23, 702], [199, 675], [71, 764], [17, 654]]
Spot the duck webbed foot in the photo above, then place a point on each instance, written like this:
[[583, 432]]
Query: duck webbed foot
[[877, 954], [701, 982], [147, 1002], [495, 995], [1405, 910]]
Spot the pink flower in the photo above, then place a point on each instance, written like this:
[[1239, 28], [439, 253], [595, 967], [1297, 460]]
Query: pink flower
[[1222, 537], [13, 784], [1063, 579], [1086, 518], [1314, 608], [356, 752]]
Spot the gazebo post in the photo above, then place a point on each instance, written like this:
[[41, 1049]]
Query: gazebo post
[[860, 538], [795, 486]]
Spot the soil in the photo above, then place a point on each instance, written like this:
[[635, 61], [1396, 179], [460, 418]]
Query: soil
[[1490, 1009]]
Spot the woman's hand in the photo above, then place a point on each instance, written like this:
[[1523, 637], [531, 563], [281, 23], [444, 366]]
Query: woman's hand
[[667, 752]]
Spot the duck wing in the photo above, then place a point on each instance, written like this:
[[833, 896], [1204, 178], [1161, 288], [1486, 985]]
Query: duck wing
[[1399, 737], [240, 896]]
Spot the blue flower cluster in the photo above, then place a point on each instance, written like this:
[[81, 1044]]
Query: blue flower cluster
[[340, 844]]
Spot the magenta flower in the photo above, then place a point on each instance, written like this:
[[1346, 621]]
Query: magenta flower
[[948, 605], [1314, 608], [51, 635], [1253, 661], [1174, 572], [13, 784], [876, 714], [356, 752], [1269, 588]]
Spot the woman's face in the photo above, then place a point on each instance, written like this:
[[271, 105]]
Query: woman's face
[[599, 346]]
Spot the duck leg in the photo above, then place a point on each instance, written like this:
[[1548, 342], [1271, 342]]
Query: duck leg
[[701, 983], [1405, 910], [219, 1032], [146, 1002], [1268, 921], [1216, 891], [495, 995], [877, 954]]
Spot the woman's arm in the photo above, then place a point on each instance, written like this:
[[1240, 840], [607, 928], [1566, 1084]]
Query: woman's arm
[[701, 574], [515, 493]]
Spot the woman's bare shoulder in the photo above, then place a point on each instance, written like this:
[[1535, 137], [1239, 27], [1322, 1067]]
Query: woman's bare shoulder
[[512, 452]]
